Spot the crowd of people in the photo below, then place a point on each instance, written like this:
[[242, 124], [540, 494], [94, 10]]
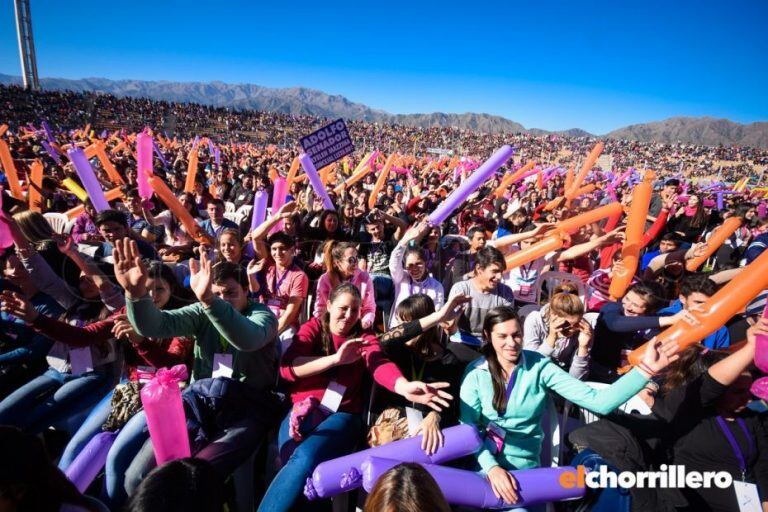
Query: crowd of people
[[320, 332]]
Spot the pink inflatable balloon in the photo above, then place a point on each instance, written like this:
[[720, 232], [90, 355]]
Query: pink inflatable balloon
[[278, 200], [469, 489], [761, 348], [760, 388], [88, 178], [161, 399], [6, 240], [144, 151]]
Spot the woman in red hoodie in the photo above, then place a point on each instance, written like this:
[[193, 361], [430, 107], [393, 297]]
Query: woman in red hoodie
[[324, 368]]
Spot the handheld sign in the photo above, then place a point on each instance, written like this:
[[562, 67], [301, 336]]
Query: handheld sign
[[328, 144]]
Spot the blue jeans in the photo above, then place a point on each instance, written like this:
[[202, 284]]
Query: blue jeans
[[90, 427], [384, 292], [337, 435], [52, 397]]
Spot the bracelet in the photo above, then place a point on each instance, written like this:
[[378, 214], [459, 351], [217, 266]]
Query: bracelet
[[646, 369]]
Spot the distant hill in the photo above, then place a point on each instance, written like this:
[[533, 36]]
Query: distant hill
[[304, 101], [697, 130]]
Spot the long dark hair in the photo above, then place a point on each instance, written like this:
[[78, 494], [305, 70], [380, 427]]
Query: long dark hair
[[413, 308], [327, 340], [175, 222], [180, 296], [494, 317]]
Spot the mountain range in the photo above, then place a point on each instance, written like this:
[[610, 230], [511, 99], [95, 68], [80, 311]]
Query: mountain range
[[305, 101]]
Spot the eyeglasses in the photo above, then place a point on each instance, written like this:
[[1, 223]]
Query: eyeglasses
[[415, 265]]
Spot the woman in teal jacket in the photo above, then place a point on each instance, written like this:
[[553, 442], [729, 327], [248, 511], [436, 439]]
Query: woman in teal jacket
[[504, 395]]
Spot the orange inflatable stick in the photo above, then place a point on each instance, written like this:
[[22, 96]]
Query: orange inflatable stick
[[569, 178], [363, 168], [718, 309], [586, 189], [189, 184], [633, 239], [110, 195], [3, 129], [539, 181], [555, 203], [10, 171], [585, 168], [716, 239], [552, 242], [381, 180], [573, 224], [509, 179], [181, 213], [36, 182], [106, 163], [292, 173]]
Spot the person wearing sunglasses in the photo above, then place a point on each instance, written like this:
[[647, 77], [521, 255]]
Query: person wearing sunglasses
[[341, 264]]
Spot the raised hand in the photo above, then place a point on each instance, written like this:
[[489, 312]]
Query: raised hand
[[287, 210], [64, 243], [124, 329], [130, 271], [659, 355], [201, 277], [15, 304], [431, 395], [432, 437], [454, 307]]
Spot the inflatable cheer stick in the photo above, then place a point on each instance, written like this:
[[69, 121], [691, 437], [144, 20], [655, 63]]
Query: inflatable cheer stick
[[279, 192], [189, 184], [88, 179], [3, 129], [90, 461], [716, 239], [480, 176], [717, 310], [381, 180], [10, 171], [511, 178], [363, 168], [6, 238], [109, 195], [76, 189], [585, 168], [161, 399], [314, 179], [292, 172], [259, 208], [572, 225], [181, 213], [633, 238], [343, 474], [551, 242], [761, 348], [469, 489], [144, 152], [106, 163], [35, 184]]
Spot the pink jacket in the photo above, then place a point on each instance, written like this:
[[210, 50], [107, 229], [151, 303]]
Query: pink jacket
[[363, 283]]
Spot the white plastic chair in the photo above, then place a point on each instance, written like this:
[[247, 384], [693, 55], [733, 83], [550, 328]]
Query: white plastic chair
[[58, 221], [552, 279], [527, 310], [229, 207], [591, 318], [234, 217], [634, 404]]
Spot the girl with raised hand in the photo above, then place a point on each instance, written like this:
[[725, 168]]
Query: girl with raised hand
[[410, 273], [324, 367], [341, 260], [504, 395]]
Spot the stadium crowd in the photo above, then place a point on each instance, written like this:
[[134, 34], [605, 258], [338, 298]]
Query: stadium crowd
[[320, 332]]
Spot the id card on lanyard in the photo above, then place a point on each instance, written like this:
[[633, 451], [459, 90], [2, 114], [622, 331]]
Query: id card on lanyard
[[275, 302], [222, 361], [746, 493], [495, 433]]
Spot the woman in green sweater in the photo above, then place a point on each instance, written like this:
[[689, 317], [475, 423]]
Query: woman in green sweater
[[504, 395]]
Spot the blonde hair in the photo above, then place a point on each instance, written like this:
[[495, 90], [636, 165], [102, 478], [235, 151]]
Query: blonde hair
[[565, 301], [33, 226], [334, 252]]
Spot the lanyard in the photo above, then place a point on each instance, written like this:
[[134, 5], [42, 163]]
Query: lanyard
[[277, 283], [223, 343], [410, 287], [735, 446], [525, 271], [417, 376], [511, 383]]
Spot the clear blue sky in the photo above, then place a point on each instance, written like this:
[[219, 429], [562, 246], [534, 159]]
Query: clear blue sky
[[554, 65]]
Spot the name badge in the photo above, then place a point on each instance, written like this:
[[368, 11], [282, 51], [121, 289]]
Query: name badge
[[496, 435], [332, 396], [414, 417], [81, 360], [222, 365], [747, 497]]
